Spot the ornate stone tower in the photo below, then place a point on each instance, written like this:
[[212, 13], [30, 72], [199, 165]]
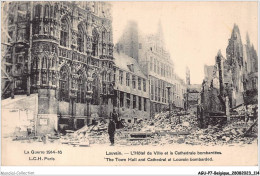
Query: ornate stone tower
[[64, 52]]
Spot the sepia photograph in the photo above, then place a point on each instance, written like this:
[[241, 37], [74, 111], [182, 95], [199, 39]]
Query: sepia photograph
[[99, 83]]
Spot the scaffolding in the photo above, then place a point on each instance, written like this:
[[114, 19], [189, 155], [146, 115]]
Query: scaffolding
[[9, 45]]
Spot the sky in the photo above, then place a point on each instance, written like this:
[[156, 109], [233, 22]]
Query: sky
[[193, 31]]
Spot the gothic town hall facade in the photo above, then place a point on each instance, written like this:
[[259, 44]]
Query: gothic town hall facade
[[63, 53]]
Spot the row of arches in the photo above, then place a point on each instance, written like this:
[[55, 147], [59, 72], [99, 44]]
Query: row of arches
[[47, 11], [66, 82], [98, 43], [43, 63]]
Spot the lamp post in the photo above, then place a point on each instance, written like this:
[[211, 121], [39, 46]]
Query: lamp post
[[169, 98]]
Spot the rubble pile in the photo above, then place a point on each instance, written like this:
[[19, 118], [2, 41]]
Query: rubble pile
[[232, 133], [165, 129], [94, 134], [249, 110]]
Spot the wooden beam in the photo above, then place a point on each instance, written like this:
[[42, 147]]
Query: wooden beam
[[5, 89], [6, 74]]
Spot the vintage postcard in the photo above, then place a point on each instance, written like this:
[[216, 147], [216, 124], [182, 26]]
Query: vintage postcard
[[98, 83]]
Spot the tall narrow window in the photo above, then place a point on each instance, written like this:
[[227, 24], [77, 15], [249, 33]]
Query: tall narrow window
[[95, 43], [44, 62], [81, 92], [134, 101], [133, 82], [121, 99], [139, 84], [152, 89], [144, 85], [144, 104], [127, 79], [128, 100], [140, 103], [80, 39], [51, 11], [64, 33], [38, 11], [64, 84], [46, 11], [103, 42]]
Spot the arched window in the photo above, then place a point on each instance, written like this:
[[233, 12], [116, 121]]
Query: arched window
[[44, 62], [64, 84], [95, 96], [81, 89], [64, 33], [38, 11], [46, 11], [80, 39], [95, 43]]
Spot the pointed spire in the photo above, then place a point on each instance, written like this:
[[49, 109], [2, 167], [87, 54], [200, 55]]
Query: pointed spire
[[235, 32]]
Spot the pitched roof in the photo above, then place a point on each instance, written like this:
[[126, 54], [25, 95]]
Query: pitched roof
[[124, 62]]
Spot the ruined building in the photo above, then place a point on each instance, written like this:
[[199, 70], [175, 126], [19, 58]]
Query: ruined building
[[132, 88], [234, 77], [192, 96], [251, 73], [62, 52], [241, 68], [235, 65], [155, 62]]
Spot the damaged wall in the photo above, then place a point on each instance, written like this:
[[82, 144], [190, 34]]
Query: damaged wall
[[18, 115]]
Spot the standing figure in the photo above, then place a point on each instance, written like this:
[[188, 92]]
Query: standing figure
[[114, 116], [111, 131]]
